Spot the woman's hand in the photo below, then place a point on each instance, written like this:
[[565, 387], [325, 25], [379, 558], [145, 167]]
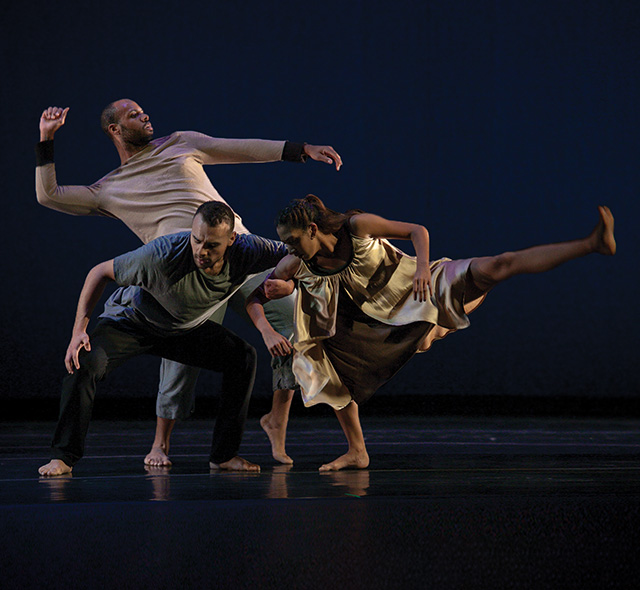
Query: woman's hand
[[422, 284]]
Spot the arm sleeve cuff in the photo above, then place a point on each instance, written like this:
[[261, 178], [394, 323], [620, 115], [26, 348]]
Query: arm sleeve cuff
[[44, 152], [292, 152]]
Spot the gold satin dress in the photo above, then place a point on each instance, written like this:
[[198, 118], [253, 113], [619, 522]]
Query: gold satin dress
[[356, 326]]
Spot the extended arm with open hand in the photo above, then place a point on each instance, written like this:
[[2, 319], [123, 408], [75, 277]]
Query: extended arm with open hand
[[99, 276], [217, 150]]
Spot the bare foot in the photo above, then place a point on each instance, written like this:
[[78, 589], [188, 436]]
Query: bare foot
[[277, 437], [602, 235], [350, 460], [54, 467], [235, 464], [157, 458]]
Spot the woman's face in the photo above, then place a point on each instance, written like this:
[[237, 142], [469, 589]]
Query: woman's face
[[301, 242]]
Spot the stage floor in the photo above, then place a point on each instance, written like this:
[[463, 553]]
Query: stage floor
[[446, 502]]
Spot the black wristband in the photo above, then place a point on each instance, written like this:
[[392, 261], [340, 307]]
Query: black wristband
[[44, 152], [293, 152]]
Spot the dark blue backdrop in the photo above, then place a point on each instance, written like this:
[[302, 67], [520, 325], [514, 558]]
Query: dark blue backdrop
[[498, 124]]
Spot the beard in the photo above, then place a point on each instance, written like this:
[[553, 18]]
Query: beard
[[138, 138]]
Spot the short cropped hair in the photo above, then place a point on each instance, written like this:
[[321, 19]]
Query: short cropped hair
[[214, 213], [109, 115]]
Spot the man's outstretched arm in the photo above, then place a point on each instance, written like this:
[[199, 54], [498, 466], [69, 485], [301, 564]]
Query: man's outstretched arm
[[216, 150], [75, 200], [97, 279]]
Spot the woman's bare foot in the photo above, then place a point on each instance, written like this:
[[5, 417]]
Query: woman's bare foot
[[235, 464], [277, 435], [157, 457], [602, 236], [54, 467], [350, 460]]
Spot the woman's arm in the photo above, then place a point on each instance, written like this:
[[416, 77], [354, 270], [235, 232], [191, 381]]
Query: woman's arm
[[276, 343], [369, 225]]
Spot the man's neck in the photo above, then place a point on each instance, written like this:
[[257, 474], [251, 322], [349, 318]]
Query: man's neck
[[127, 151], [216, 269]]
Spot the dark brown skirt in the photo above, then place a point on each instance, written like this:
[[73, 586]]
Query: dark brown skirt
[[367, 353]]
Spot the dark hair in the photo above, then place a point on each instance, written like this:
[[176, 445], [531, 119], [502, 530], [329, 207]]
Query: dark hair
[[109, 115], [299, 213], [215, 212]]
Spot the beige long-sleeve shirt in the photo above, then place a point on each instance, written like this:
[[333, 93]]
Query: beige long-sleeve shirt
[[157, 191]]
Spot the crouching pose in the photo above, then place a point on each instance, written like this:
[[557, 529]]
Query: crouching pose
[[364, 308], [174, 284]]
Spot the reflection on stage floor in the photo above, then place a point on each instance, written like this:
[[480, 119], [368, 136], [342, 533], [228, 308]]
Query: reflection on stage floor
[[456, 502]]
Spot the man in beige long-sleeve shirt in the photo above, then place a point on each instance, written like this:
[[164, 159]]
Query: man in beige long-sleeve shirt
[[155, 191]]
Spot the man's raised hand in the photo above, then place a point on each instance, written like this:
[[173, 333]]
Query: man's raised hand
[[323, 153], [51, 120]]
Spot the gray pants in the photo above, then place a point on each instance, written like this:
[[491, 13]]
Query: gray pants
[[176, 395]]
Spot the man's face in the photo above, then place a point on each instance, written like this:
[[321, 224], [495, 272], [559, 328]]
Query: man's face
[[209, 244], [133, 124]]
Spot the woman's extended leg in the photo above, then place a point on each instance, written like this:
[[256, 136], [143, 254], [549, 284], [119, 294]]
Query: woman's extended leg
[[356, 457], [491, 270]]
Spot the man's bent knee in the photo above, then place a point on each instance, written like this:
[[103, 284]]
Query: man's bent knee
[[94, 363]]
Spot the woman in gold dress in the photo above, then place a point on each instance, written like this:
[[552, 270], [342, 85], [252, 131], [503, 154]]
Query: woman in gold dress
[[364, 307]]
